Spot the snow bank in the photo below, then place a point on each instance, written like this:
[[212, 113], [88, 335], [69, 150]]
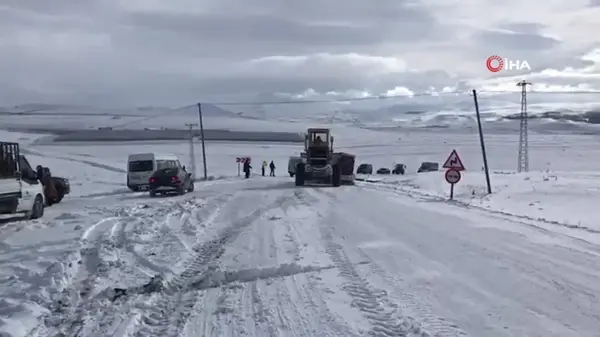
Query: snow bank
[[37, 263], [87, 175], [568, 198]]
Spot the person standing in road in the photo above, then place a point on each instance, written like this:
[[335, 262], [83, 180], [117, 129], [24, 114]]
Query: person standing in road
[[264, 167], [247, 168], [272, 167]]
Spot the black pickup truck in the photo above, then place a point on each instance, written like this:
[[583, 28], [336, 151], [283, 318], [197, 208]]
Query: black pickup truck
[[61, 185]]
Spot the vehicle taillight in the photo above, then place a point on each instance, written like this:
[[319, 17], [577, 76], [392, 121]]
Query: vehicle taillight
[[174, 178], [152, 180]]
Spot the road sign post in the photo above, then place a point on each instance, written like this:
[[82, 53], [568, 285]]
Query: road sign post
[[454, 166], [452, 177], [454, 162]]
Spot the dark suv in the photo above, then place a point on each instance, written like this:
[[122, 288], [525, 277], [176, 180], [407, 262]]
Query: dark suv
[[428, 167], [364, 169], [170, 180]]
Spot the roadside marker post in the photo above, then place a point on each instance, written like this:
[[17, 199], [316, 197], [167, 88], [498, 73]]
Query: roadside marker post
[[452, 177], [454, 166], [240, 161]]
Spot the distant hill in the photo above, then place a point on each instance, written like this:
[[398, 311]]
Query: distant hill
[[208, 110], [33, 109]]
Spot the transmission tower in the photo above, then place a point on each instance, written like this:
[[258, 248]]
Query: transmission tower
[[523, 136], [192, 154]]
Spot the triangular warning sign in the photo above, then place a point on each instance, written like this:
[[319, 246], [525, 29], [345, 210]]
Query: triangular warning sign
[[454, 162]]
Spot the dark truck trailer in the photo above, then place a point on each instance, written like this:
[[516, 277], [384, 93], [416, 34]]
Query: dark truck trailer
[[346, 164]]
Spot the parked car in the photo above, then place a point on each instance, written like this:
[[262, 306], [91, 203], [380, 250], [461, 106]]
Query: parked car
[[364, 169], [399, 169], [383, 170], [170, 180], [140, 167], [428, 167]]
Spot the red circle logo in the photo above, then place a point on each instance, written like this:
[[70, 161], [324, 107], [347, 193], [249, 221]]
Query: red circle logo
[[494, 63]]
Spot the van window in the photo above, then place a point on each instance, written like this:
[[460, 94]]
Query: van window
[[162, 164], [141, 166]]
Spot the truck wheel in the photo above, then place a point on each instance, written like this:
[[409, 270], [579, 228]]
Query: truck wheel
[[336, 178], [191, 189], [291, 174], [300, 175], [37, 210], [152, 194]]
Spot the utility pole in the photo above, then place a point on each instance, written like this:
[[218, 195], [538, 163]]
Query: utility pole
[[192, 154], [523, 135], [202, 139], [482, 143]]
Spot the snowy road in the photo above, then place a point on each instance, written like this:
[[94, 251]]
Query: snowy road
[[263, 258]]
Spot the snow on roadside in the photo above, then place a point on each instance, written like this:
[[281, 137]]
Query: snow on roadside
[[568, 198], [86, 178], [18, 137], [49, 266], [37, 262]]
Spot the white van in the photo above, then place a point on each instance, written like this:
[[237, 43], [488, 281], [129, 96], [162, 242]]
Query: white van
[[140, 167]]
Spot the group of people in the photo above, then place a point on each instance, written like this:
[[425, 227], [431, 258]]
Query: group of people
[[248, 167]]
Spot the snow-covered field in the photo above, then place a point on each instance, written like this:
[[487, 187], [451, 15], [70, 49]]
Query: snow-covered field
[[259, 257]]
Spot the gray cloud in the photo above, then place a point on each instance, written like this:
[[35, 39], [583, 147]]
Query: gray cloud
[[517, 40], [180, 51], [523, 27]]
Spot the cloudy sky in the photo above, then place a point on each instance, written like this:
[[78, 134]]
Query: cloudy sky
[[176, 52]]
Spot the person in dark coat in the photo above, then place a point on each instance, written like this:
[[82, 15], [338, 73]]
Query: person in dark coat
[[247, 168], [49, 189], [272, 167], [39, 170]]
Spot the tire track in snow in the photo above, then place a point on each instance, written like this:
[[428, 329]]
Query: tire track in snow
[[328, 323], [173, 306], [67, 316], [70, 316], [270, 301], [137, 320], [435, 325], [375, 305]]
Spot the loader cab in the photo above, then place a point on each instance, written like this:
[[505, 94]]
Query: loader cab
[[318, 138], [318, 145]]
